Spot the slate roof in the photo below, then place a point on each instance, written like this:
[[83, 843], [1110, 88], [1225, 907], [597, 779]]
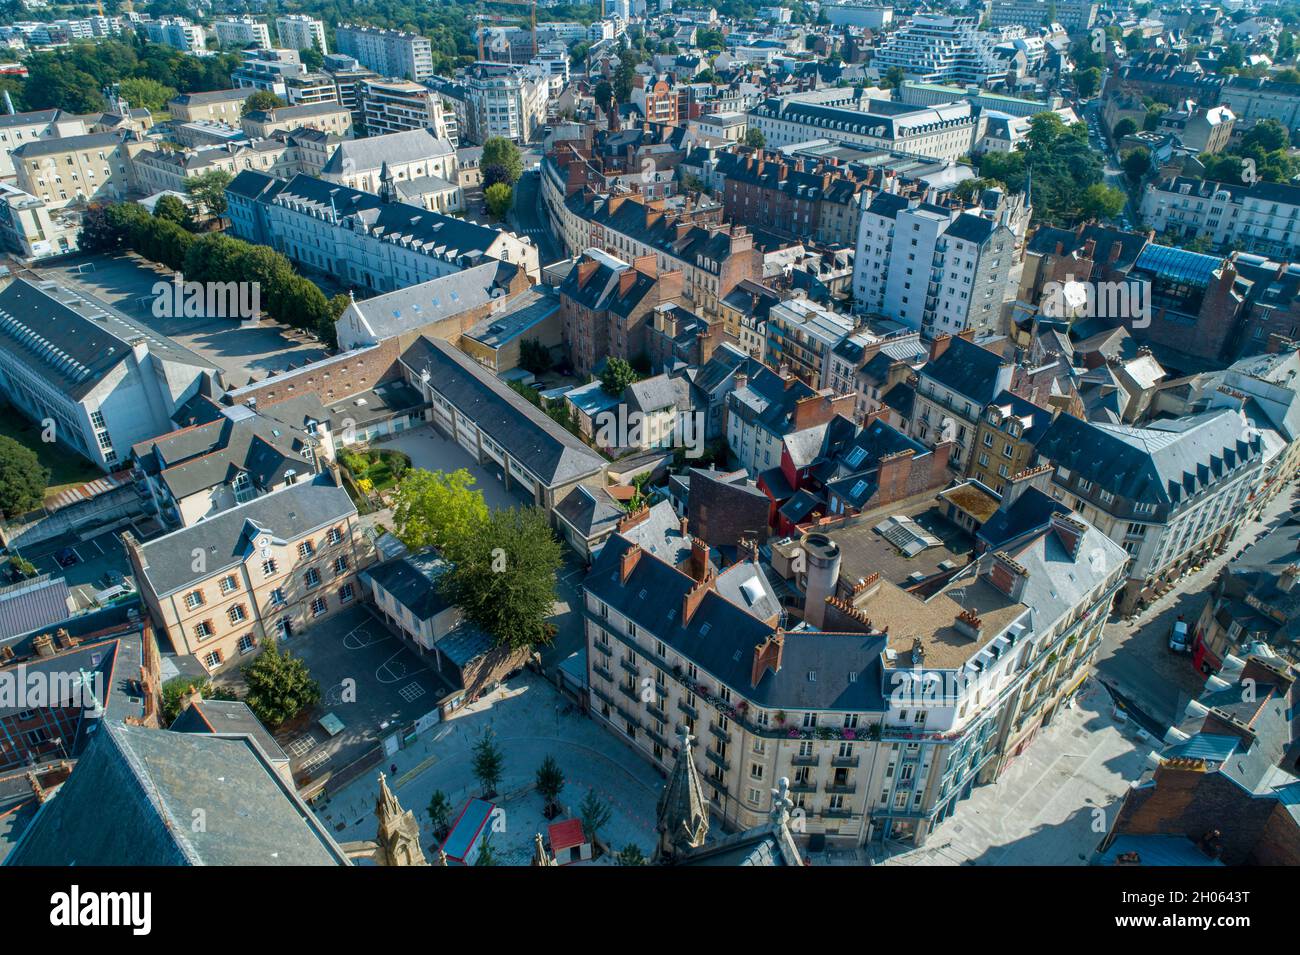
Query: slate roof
[[847, 669], [227, 718], [657, 393], [416, 306], [602, 290], [1165, 463], [357, 156], [532, 438], [966, 368], [413, 582], [228, 537], [130, 802], [590, 512], [50, 147], [28, 605], [72, 342]]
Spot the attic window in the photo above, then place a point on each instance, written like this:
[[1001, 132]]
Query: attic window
[[812, 676], [641, 595], [853, 676], [705, 628]]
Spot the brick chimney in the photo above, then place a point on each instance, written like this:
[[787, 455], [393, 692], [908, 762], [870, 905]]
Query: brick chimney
[[698, 563], [627, 563], [1018, 484], [892, 477], [767, 656], [628, 521], [626, 279], [683, 525], [586, 269], [1071, 532], [692, 599], [1008, 575], [939, 346]]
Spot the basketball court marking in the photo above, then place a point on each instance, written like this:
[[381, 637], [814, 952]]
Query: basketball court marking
[[302, 745], [393, 669], [358, 638]]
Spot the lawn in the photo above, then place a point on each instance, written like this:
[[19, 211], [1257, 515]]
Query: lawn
[[66, 468], [381, 468]]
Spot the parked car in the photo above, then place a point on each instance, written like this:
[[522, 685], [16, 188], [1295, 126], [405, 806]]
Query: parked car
[[1178, 637]]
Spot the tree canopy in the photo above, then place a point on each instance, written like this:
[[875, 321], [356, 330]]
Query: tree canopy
[[438, 509], [22, 478]]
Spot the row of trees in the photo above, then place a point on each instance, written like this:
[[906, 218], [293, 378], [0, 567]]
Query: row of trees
[[148, 75], [504, 562], [286, 296], [1066, 174]]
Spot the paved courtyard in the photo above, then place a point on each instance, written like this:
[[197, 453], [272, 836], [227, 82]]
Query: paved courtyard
[[241, 351], [1051, 806], [369, 679], [529, 720], [429, 450]]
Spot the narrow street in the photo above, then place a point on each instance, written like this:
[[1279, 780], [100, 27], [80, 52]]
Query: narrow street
[[1135, 659]]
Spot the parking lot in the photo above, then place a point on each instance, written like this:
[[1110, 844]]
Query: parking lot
[[125, 281], [370, 680], [89, 565]]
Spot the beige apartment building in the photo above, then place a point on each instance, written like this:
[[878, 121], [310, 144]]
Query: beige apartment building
[[325, 117], [93, 167], [217, 106], [268, 569]]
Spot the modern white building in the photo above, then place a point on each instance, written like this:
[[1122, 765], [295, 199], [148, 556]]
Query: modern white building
[[300, 32], [937, 269], [1263, 217], [940, 49], [103, 381], [387, 52], [500, 99], [1076, 16], [241, 32], [176, 32]]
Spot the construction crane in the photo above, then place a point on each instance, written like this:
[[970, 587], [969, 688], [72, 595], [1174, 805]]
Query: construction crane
[[532, 20]]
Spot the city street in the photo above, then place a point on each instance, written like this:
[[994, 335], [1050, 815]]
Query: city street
[[1135, 658]]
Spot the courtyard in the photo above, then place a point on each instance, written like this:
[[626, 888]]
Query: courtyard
[[429, 450], [370, 680], [125, 281], [530, 721]]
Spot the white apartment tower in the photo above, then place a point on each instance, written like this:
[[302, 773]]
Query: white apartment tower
[[941, 49], [299, 32]]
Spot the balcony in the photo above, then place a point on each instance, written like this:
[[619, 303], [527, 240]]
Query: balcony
[[837, 813], [603, 648], [842, 788], [657, 713], [689, 710], [717, 760], [803, 786], [805, 760], [629, 667], [629, 692], [848, 762], [602, 672], [719, 732]]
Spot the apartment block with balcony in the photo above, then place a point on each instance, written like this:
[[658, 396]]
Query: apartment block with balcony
[[387, 52], [267, 569], [1262, 218], [297, 31], [1171, 493]]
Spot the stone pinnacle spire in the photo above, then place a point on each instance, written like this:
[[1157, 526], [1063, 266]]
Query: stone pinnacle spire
[[683, 813]]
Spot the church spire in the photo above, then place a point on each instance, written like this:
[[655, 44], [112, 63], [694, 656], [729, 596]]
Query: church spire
[[399, 833], [683, 813], [540, 856], [387, 185]]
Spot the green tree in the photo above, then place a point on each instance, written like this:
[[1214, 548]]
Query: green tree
[[439, 814], [595, 815], [143, 92], [603, 93], [1267, 135], [259, 101], [1101, 201], [312, 58], [176, 689], [1136, 163], [630, 854], [487, 763], [534, 357], [1125, 127], [500, 151], [439, 509], [173, 209], [754, 137], [209, 190], [279, 686], [498, 197], [550, 783], [486, 854], [23, 479], [1087, 82], [504, 577], [618, 374]]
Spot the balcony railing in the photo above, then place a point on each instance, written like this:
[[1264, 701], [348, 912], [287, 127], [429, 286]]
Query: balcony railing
[[717, 760], [844, 761], [842, 788], [719, 732], [805, 760]]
